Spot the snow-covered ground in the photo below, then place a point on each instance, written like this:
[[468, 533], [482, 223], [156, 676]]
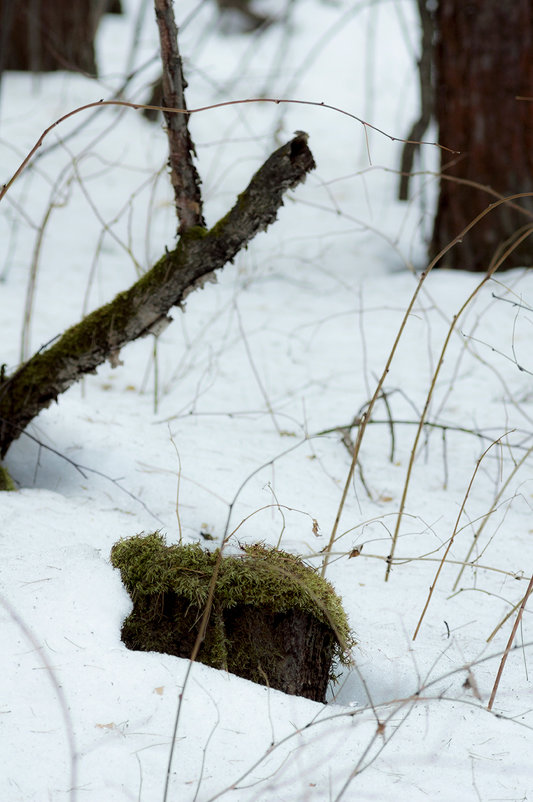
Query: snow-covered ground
[[289, 344]]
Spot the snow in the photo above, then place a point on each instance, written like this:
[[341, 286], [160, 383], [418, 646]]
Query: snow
[[289, 343]]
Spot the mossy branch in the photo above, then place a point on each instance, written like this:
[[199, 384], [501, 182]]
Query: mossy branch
[[6, 482], [144, 307]]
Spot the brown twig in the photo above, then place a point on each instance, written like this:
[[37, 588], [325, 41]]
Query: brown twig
[[497, 262], [223, 104], [450, 542], [509, 644]]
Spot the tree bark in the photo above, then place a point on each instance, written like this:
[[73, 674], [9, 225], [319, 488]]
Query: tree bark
[[483, 60], [184, 177], [144, 308]]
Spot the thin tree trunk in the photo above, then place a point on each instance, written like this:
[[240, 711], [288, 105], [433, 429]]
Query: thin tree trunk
[[484, 59], [184, 177]]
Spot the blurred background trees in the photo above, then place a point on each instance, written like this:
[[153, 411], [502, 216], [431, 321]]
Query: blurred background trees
[[44, 35], [476, 57]]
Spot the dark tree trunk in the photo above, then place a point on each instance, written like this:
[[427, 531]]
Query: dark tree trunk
[[483, 60], [45, 35]]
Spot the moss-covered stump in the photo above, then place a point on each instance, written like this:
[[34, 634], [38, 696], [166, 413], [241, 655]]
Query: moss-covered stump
[[273, 619]]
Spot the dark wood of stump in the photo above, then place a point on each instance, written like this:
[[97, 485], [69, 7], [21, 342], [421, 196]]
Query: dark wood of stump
[[290, 651]]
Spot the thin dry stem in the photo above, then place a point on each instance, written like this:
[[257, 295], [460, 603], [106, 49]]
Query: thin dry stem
[[171, 110], [504, 620], [494, 505], [177, 486], [57, 685], [456, 317], [509, 644], [450, 542], [255, 371], [365, 418]]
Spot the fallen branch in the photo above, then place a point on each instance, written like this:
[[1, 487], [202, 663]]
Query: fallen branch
[[143, 308]]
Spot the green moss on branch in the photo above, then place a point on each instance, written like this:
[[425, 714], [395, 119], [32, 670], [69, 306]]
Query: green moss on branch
[[6, 482]]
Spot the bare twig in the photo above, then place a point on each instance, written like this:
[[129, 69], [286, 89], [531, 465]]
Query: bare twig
[[510, 643], [83, 470], [443, 427], [178, 486], [255, 371], [58, 688], [451, 540], [500, 493], [397, 704], [277, 101], [497, 262]]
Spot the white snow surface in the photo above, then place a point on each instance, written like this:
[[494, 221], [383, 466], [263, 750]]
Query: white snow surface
[[288, 344]]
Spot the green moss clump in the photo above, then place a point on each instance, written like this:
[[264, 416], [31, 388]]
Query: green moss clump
[[194, 232], [169, 586], [6, 482]]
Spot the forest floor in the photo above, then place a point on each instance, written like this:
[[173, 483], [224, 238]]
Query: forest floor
[[243, 407]]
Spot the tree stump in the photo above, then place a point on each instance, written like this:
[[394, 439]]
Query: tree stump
[[273, 619]]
